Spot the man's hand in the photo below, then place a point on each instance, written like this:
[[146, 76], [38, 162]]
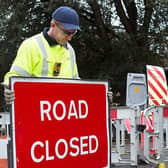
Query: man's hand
[[8, 94]]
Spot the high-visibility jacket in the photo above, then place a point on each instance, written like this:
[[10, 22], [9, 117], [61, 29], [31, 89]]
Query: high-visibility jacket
[[36, 58]]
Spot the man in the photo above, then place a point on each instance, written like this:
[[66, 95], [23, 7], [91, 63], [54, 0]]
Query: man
[[49, 53]]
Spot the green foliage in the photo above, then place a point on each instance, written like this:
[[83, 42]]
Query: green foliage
[[2, 102]]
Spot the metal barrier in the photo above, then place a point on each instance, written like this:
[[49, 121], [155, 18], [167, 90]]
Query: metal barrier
[[165, 125], [4, 137], [4, 124], [120, 153], [160, 117], [118, 117]]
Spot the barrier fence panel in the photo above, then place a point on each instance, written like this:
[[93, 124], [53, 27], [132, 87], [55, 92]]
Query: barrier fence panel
[[156, 89], [119, 151], [157, 135], [165, 126], [4, 128], [157, 96]]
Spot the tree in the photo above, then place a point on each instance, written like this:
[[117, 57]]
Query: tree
[[104, 50], [110, 53]]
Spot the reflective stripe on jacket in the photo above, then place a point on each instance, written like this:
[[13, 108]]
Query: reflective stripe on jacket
[[35, 57]]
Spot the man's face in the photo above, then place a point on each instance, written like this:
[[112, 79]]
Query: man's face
[[62, 35]]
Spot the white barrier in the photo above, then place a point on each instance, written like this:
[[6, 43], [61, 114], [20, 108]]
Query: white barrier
[[4, 137], [119, 115], [4, 132], [3, 148], [165, 125], [159, 118], [4, 124]]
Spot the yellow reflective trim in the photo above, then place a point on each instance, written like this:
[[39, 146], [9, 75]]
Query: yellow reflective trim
[[44, 55], [20, 71]]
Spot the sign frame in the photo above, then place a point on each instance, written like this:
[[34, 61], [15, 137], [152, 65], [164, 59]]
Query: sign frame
[[13, 80]]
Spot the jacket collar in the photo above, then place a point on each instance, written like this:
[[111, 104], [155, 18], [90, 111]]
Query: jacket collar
[[50, 41]]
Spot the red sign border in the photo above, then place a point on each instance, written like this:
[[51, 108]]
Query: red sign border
[[11, 146]]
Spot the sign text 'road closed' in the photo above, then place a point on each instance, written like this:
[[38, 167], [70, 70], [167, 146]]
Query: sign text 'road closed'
[[83, 145], [60, 123]]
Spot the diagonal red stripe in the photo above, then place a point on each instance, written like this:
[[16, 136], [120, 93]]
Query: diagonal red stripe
[[154, 89], [159, 73], [154, 100], [157, 81], [164, 101], [158, 94]]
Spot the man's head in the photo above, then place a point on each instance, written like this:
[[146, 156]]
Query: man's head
[[64, 24], [67, 16]]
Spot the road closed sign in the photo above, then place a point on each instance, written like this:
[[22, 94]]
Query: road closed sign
[[59, 123]]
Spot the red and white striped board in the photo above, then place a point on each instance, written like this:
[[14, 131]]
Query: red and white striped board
[[157, 85]]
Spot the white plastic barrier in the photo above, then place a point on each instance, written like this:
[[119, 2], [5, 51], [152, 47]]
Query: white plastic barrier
[[3, 148], [118, 116], [165, 125], [4, 132], [4, 124], [160, 117]]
